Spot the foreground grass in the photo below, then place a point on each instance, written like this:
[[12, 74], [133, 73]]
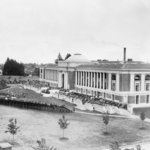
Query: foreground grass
[[84, 131]]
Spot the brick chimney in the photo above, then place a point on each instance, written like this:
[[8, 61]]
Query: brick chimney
[[124, 54]]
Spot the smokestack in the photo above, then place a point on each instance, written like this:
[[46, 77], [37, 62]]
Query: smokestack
[[124, 55]]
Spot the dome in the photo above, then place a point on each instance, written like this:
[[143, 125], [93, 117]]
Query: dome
[[77, 58]]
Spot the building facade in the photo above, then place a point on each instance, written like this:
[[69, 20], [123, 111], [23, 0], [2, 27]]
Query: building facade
[[125, 82]]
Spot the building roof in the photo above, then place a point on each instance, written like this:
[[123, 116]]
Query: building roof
[[48, 66], [116, 66], [77, 58]]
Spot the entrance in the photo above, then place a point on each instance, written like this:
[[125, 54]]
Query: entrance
[[137, 99], [63, 80], [147, 99]]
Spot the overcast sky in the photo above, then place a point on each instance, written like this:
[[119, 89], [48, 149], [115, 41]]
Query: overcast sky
[[37, 30]]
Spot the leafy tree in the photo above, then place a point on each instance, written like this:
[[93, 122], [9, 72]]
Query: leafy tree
[[12, 67], [43, 146], [106, 120], [142, 117], [12, 127], [36, 72], [63, 122]]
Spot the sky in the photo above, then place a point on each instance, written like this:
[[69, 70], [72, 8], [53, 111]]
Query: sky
[[37, 30]]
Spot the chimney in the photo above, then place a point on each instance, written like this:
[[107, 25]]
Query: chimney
[[124, 55]]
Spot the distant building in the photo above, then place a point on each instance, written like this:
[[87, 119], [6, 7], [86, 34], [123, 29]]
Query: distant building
[[125, 82]]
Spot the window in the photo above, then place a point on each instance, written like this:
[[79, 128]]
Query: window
[[137, 86], [147, 99], [113, 86], [137, 99], [147, 86], [147, 77]]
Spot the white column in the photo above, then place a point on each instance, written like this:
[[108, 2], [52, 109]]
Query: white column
[[142, 82], [100, 81], [117, 81], [109, 81], [86, 78], [91, 78], [94, 79], [103, 80], [97, 81], [76, 78], [81, 78], [131, 82]]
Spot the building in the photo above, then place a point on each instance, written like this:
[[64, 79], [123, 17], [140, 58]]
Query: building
[[126, 82]]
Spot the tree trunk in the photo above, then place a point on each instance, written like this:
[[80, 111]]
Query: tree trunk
[[13, 137], [63, 133]]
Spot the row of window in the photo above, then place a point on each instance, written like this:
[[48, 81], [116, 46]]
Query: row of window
[[138, 86]]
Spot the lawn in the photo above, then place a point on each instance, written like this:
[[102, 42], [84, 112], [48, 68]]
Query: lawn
[[85, 132], [29, 95]]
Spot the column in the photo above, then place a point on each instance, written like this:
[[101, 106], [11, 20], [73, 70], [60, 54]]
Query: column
[[100, 81], [103, 80], [97, 81], [142, 82], [91, 78], [117, 81], [81, 78], [109, 81], [131, 82], [94, 80], [76, 78], [86, 78]]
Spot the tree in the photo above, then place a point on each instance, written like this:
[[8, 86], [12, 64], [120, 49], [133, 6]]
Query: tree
[[63, 122], [12, 127], [106, 120], [43, 146], [142, 117], [12, 67]]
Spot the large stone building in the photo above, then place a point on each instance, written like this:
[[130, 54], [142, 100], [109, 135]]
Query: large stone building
[[126, 81]]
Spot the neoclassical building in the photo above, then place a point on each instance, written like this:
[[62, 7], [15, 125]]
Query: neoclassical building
[[126, 81]]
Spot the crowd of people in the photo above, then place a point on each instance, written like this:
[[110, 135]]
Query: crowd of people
[[81, 100]]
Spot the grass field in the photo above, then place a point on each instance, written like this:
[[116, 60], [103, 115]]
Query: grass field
[[29, 95], [85, 132]]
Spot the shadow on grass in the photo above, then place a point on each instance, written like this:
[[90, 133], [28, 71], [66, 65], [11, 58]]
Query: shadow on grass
[[106, 133], [64, 139], [142, 128]]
